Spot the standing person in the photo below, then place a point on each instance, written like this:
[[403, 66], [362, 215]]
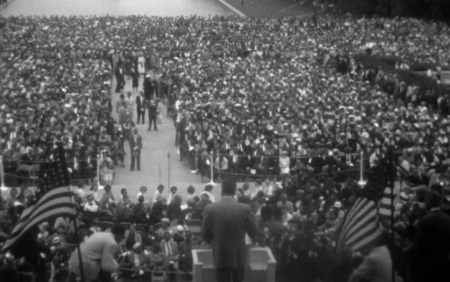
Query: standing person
[[135, 149], [158, 111], [120, 80], [130, 107], [173, 191], [140, 107], [98, 253], [224, 226], [141, 64], [152, 114], [149, 87], [158, 193], [431, 247], [134, 78], [377, 265], [121, 109]]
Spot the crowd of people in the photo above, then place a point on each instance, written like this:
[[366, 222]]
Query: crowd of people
[[282, 100], [49, 94]]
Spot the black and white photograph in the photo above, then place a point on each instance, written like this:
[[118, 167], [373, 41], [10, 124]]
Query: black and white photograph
[[224, 140]]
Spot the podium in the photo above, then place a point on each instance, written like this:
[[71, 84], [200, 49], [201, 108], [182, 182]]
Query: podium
[[260, 268]]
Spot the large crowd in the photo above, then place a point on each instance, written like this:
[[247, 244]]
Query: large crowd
[[272, 99]]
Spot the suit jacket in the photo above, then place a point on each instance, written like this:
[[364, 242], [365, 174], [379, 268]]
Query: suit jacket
[[186, 260], [430, 253], [96, 252], [135, 142], [149, 88], [224, 226], [376, 267], [152, 108], [173, 247], [140, 104]]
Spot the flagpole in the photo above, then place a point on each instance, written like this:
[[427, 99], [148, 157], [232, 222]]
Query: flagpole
[[392, 183], [159, 167], [99, 159], [2, 175], [80, 260], [212, 169], [361, 181], [168, 180]]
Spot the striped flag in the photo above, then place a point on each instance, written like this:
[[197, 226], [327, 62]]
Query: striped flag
[[361, 226], [404, 168], [53, 197], [386, 205]]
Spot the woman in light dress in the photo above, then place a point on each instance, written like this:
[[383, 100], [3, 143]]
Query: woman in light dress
[[141, 64]]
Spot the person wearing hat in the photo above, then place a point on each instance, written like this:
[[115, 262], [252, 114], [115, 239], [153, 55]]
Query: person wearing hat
[[136, 263], [225, 224], [98, 255]]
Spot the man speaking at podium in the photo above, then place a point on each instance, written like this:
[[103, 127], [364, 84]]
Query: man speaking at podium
[[224, 226]]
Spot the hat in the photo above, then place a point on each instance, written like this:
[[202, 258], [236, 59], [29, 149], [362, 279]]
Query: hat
[[337, 205], [165, 219], [17, 204], [404, 196], [56, 240], [44, 225], [136, 245], [107, 224]]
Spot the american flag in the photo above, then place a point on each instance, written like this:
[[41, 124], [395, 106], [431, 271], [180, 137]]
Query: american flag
[[360, 227], [53, 197]]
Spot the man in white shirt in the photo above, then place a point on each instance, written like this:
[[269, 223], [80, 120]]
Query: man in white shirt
[[172, 193], [142, 192], [208, 191], [80, 191], [158, 194], [90, 205]]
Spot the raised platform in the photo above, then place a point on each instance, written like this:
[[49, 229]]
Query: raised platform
[[261, 266]]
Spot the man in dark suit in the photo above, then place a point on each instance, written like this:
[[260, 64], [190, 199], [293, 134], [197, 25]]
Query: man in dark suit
[[149, 87], [120, 80], [140, 107], [224, 226], [430, 254], [152, 114], [135, 149]]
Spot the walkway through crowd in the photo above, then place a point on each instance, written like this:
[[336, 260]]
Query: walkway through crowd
[[157, 145]]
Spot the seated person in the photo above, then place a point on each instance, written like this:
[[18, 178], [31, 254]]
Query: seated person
[[90, 207], [169, 248], [136, 262]]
